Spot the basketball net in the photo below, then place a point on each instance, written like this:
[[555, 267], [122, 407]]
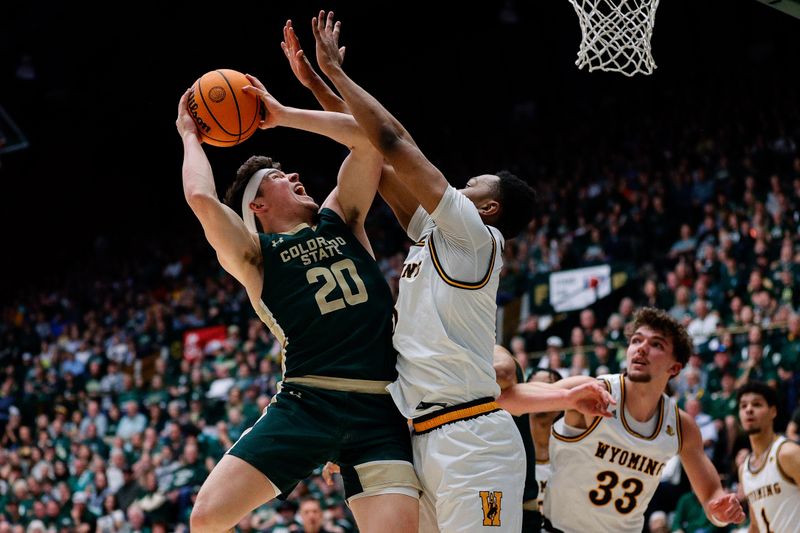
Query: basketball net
[[616, 35]]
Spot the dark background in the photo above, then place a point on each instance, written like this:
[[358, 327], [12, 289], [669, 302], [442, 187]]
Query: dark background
[[478, 87]]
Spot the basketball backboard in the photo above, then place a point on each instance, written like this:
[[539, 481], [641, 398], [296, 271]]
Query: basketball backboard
[[11, 137], [791, 7]]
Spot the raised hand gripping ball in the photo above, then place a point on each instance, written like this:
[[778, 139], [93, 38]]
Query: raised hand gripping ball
[[225, 115]]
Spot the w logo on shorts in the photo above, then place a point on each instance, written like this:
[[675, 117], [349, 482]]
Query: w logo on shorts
[[491, 501]]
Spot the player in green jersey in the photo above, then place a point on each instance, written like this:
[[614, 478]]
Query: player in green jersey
[[311, 277]]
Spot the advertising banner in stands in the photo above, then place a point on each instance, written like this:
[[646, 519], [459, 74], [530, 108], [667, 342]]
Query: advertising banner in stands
[[576, 289], [197, 341]]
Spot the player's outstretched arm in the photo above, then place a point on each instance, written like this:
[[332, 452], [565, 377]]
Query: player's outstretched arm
[[590, 399], [238, 250], [339, 127], [359, 174], [789, 460], [425, 182], [391, 188], [305, 73], [721, 508]]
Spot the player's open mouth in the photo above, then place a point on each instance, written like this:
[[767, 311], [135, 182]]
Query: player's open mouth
[[299, 189], [638, 362]]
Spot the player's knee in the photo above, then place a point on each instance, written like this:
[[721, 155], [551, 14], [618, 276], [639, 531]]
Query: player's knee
[[204, 519]]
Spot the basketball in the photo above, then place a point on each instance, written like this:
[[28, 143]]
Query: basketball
[[225, 115]]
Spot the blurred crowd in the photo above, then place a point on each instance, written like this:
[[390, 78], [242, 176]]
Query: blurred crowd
[[108, 424], [711, 223]]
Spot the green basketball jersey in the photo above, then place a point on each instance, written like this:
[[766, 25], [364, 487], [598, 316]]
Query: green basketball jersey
[[327, 302]]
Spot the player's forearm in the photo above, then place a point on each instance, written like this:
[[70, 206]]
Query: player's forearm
[[424, 181], [198, 178], [328, 99], [533, 398], [382, 129], [705, 499], [339, 127]]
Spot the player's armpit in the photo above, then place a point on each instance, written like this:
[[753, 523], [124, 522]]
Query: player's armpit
[[397, 196], [238, 249], [789, 460]]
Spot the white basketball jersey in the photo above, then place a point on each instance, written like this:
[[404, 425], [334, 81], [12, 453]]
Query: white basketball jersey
[[604, 477], [447, 309], [543, 472], [774, 498]]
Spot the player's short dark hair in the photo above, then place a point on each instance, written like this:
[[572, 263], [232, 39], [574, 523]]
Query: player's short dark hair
[[661, 321], [760, 388], [517, 204], [309, 498], [234, 194]]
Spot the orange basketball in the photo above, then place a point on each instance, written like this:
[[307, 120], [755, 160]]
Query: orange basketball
[[225, 115]]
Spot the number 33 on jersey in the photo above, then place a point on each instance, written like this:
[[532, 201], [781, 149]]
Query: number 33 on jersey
[[609, 467]]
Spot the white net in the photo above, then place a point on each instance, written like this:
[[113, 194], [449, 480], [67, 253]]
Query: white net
[[616, 35]]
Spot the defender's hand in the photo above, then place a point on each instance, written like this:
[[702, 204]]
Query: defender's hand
[[300, 64], [591, 399], [326, 35], [726, 509], [327, 472], [275, 110]]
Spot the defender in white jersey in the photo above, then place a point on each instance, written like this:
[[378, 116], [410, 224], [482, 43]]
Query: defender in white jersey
[[467, 451], [609, 467], [770, 476]]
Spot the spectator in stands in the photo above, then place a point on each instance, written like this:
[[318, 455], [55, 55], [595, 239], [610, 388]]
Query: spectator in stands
[[132, 422], [603, 359], [311, 516], [588, 322], [681, 309], [534, 337], [702, 326], [554, 356], [284, 519], [722, 406], [708, 430], [685, 245], [789, 365], [616, 329], [626, 309], [650, 295], [519, 353], [96, 417], [689, 384], [690, 517], [756, 368], [720, 364]]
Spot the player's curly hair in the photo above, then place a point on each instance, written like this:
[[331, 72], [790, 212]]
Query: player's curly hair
[[661, 321], [517, 203], [234, 194], [760, 388]]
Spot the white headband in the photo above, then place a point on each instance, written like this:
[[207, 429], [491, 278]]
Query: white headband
[[250, 192]]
